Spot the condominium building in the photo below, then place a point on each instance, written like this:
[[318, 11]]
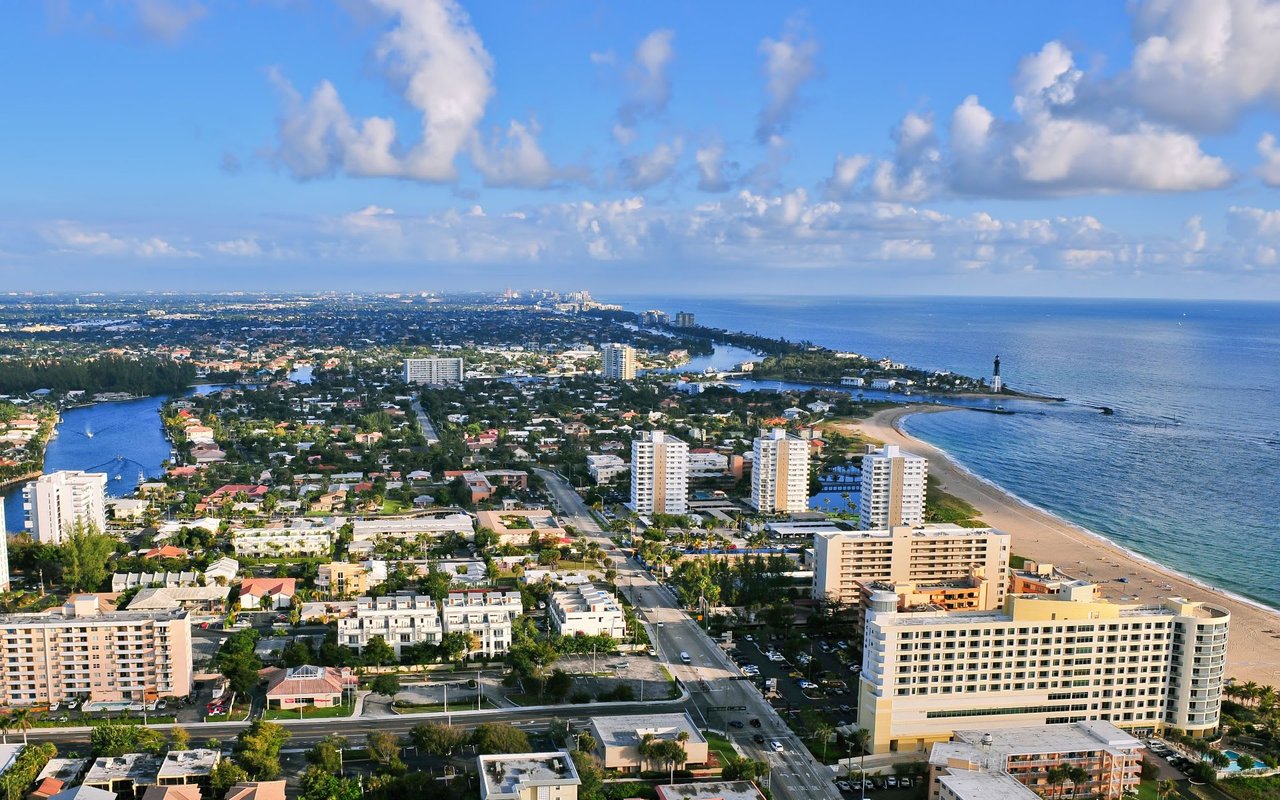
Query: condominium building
[[893, 489], [528, 776], [1043, 660], [402, 619], [618, 739], [1111, 760], [283, 542], [586, 610], [780, 473], [604, 468], [685, 319], [57, 501], [433, 370], [366, 533], [340, 579], [927, 555], [484, 614], [80, 651], [618, 362], [4, 554], [659, 474]]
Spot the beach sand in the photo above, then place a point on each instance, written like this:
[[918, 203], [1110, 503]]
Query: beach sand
[[1253, 652]]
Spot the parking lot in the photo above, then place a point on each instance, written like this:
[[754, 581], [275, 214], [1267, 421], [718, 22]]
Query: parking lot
[[830, 688]]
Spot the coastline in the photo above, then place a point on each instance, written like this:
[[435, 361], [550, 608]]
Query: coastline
[[1253, 651]]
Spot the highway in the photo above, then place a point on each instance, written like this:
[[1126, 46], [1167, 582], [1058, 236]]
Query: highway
[[795, 774]]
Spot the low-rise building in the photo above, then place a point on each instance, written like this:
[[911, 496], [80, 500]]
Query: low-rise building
[[127, 775], [257, 790], [586, 610], [618, 739], [607, 467], [486, 615], [283, 542], [710, 790], [188, 767], [402, 620], [1111, 758], [517, 526], [340, 579], [267, 594], [202, 599], [307, 685], [124, 581], [528, 776]]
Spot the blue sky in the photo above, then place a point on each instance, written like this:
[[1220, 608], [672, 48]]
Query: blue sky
[[712, 148]]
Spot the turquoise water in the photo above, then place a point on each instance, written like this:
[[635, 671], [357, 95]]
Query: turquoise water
[[1187, 469]]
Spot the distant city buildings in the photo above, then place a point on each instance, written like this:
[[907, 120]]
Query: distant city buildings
[[685, 319], [618, 362], [893, 489], [659, 474], [433, 370], [57, 501], [80, 651], [1042, 660], [780, 473]]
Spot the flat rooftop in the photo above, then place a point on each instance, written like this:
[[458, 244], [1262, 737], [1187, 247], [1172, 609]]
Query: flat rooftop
[[185, 763], [624, 731], [1069, 737], [131, 766], [711, 790], [987, 786], [506, 775]]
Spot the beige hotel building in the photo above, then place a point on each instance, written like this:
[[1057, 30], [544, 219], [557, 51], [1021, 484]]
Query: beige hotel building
[[80, 651], [1044, 659]]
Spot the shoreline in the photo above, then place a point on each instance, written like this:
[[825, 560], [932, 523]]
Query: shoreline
[[1253, 651]]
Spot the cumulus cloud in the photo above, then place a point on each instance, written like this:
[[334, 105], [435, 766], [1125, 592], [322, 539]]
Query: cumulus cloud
[[1269, 169], [168, 20], [238, 248], [648, 169], [790, 61], [650, 86], [845, 175], [446, 74], [1201, 63], [68, 237], [712, 168]]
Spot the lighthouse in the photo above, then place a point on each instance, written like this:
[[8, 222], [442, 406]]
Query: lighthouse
[[996, 384]]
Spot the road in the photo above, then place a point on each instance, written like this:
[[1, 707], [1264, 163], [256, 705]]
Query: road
[[795, 775], [424, 422]]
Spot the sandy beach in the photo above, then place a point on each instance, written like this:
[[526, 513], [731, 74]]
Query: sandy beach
[[1254, 646]]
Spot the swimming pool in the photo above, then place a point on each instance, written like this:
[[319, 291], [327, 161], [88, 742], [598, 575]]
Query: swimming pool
[[1234, 766]]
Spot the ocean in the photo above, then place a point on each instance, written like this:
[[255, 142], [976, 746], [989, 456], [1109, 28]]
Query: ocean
[[1185, 472]]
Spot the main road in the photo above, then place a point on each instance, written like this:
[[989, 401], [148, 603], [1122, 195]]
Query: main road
[[720, 692]]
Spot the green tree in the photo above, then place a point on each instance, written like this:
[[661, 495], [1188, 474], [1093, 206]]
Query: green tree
[[438, 739], [436, 583], [179, 739], [84, 555], [320, 785], [559, 683], [226, 774], [22, 720], [387, 684], [112, 739], [499, 737], [377, 653], [384, 750], [258, 749], [591, 773], [327, 754], [241, 671]]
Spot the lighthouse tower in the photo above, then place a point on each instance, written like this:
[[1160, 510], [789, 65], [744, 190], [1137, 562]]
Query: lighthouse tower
[[996, 384]]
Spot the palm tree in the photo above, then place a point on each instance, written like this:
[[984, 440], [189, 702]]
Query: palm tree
[[1249, 691], [1075, 775], [823, 734], [5, 725], [1165, 788], [23, 722]]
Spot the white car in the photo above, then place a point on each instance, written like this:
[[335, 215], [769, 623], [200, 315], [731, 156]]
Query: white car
[[776, 746]]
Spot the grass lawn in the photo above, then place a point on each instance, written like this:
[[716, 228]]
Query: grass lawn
[[1253, 788], [415, 708], [307, 713], [943, 507], [392, 507], [720, 746]]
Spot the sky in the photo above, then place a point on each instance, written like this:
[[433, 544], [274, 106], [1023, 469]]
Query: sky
[[715, 148]]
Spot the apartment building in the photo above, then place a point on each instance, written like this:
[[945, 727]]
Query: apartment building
[[604, 468], [618, 739], [618, 362], [4, 554], [780, 473], [433, 370], [1042, 660], [402, 619], [80, 651], [484, 614], [339, 579], [57, 501], [922, 556], [366, 533], [587, 610], [1110, 757], [283, 542], [893, 489], [659, 474], [528, 776]]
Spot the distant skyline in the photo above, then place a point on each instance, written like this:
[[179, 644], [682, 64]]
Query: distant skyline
[[992, 148]]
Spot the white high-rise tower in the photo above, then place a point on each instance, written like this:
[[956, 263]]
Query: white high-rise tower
[[618, 362], [893, 489], [780, 473], [659, 474]]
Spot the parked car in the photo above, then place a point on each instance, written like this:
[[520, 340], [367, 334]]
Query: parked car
[[891, 782]]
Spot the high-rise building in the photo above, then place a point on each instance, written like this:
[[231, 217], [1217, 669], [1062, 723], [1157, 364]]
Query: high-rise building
[[780, 473], [685, 319], [433, 370], [922, 556], [4, 553], [618, 362], [659, 474], [893, 489], [55, 502], [80, 651], [1042, 660]]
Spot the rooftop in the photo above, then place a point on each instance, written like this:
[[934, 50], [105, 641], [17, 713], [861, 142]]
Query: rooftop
[[180, 763], [987, 786], [629, 730], [504, 776], [1086, 735], [137, 767], [711, 790]]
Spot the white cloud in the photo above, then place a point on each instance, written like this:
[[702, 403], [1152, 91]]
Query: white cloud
[[844, 175], [518, 162], [650, 84], [239, 248], [168, 20], [605, 57], [1201, 63], [648, 169], [1246, 222], [905, 250], [1269, 169], [69, 237], [789, 62], [712, 168]]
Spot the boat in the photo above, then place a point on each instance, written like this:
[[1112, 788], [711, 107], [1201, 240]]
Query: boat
[[116, 477], [88, 432]]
